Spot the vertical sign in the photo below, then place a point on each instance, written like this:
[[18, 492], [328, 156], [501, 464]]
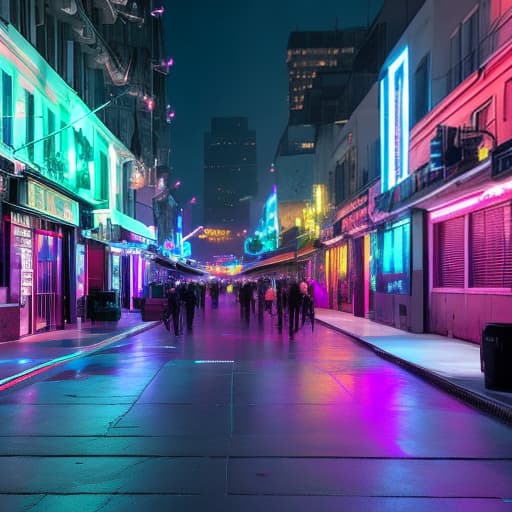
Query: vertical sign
[[394, 121]]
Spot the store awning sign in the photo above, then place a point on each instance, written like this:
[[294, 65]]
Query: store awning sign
[[52, 203]]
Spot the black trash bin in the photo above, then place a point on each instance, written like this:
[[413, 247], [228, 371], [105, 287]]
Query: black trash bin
[[496, 356]]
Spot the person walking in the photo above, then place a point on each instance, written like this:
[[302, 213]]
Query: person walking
[[245, 300], [307, 306], [270, 297], [214, 294], [189, 298], [294, 303], [173, 311]]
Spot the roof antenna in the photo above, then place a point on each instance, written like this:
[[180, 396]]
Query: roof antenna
[[336, 25]]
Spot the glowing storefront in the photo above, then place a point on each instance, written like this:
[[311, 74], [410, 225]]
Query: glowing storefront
[[62, 170]]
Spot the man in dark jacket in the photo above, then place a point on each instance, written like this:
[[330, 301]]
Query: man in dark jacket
[[189, 298], [245, 300], [294, 304], [173, 310]]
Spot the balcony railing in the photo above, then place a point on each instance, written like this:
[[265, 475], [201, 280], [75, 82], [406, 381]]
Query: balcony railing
[[427, 178]]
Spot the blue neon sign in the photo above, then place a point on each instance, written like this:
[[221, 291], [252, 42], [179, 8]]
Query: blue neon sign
[[394, 121]]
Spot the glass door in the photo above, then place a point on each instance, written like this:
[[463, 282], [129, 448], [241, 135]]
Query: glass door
[[48, 293]]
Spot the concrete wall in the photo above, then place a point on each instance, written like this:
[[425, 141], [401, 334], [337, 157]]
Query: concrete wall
[[464, 315]]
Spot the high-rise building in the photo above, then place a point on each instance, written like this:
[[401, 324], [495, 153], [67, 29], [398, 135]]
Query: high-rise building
[[230, 179], [310, 53]]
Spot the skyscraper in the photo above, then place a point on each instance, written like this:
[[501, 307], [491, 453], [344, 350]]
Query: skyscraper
[[230, 179], [310, 53]]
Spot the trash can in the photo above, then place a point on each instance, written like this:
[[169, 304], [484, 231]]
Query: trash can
[[496, 356]]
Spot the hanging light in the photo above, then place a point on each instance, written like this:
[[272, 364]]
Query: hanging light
[[169, 114], [159, 11], [150, 176], [137, 180]]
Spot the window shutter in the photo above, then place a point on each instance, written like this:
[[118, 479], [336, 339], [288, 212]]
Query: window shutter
[[491, 247], [450, 253]]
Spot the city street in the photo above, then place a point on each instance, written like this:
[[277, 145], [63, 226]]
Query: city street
[[236, 417]]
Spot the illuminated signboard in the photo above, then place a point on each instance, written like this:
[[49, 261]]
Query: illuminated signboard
[[266, 237], [216, 235], [394, 121], [46, 200]]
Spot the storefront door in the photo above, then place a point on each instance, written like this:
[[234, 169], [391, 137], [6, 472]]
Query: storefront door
[[48, 281]]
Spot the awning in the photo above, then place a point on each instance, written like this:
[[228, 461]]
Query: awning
[[279, 259], [164, 262], [183, 267], [177, 265]]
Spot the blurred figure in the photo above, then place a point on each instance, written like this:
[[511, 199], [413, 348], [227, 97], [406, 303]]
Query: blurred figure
[[245, 300], [214, 294], [308, 305], [294, 303], [189, 298], [202, 294], [270, 297], [173, 311], [254, 297]]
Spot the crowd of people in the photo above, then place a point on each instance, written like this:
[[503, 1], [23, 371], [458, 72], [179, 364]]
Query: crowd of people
[[287, 300]]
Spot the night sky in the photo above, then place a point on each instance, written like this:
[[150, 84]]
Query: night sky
[[230, 60]]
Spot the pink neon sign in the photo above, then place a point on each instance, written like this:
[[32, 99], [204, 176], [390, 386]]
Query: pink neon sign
[[489, 196]]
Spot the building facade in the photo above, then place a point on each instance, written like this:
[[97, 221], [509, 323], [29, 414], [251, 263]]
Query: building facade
[[432, 225], [453, 189], [68, 181]]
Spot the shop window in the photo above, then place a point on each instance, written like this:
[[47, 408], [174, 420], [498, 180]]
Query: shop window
[[483, 117], [491, 247], [449, 253], [391, 260]]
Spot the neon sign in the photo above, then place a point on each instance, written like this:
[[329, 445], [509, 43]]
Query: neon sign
[[502, 191], [394, 121], [266, 237]]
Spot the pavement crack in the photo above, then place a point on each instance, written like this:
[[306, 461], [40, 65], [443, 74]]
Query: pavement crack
[[113, 424]]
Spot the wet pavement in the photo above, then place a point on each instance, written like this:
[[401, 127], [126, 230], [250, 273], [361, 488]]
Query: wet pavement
[[237, 417], [449, 363]]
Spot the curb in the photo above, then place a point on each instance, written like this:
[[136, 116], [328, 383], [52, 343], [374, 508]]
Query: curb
[[476, 400], [13, 380]]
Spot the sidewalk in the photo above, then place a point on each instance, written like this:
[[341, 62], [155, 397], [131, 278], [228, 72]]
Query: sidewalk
[[31, 355], [451, 364]]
